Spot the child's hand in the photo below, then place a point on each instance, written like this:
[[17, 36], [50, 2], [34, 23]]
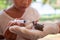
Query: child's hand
[[11, 35]]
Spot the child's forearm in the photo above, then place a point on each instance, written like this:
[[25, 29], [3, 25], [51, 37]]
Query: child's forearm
[[9, 35]]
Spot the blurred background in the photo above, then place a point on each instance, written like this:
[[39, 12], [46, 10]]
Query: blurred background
[[48, 9]]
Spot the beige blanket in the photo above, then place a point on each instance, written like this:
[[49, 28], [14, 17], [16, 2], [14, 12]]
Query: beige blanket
[[51, 37]]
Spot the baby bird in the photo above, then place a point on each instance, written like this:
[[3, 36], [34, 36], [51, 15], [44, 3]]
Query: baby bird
[[38, 26]]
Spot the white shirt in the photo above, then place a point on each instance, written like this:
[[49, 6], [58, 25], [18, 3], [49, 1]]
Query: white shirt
[[30, 15]]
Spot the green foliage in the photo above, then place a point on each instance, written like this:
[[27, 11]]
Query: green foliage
[[53, 1], [4, 4], [34, 0], [51, 17], [44, 1]]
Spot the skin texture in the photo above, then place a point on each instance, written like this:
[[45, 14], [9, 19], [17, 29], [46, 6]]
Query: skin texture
[[58, 23], [22, 4], [16, 11], [9, 35], [33, 34], [29, 34]]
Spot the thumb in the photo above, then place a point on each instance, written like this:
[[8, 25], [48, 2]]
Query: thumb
[[13, 29], [16, 29]]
